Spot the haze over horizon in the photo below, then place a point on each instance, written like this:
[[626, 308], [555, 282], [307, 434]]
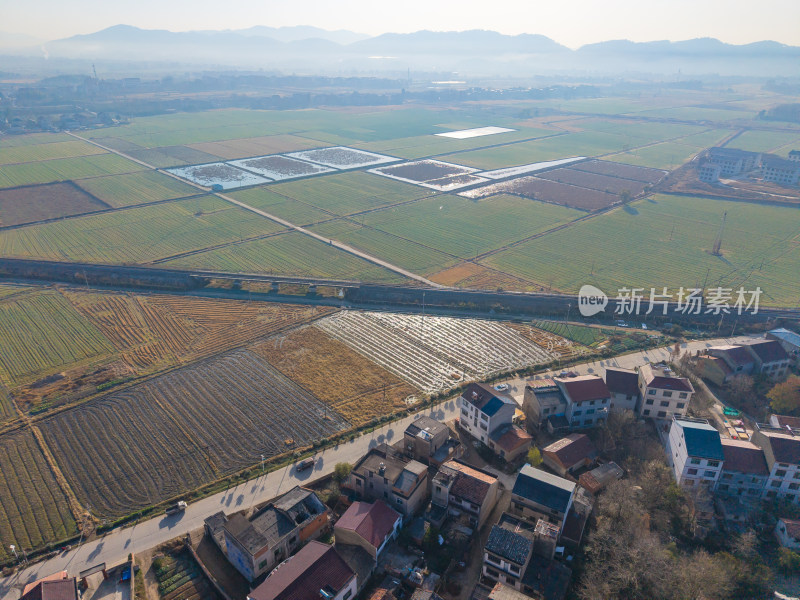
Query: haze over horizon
[[573, 22]]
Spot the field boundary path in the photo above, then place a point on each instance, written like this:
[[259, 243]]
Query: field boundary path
[[114, 547], [336, 244]]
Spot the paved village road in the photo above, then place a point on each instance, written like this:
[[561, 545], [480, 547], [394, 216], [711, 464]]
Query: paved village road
[[114, 547]]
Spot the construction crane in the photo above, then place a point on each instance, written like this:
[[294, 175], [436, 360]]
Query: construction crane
[[717, 249]]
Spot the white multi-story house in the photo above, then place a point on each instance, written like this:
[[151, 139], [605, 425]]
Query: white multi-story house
[[782, 452], [623, 385], [587, 400], [695, 452], [482, 410], [664, 395]]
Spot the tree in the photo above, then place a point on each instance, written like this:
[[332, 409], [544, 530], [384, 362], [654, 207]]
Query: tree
[[534, 457], [785, 397], [740, 388], [342, 471], [788, 560]]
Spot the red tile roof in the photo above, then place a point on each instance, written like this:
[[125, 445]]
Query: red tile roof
[[588, 387], [61, 589], [769, 351], [470, 485], [315, 567], [510, 438], [571, 450], [373, 522], [743, 457], [738, 355], [54, 577], [785, 447]]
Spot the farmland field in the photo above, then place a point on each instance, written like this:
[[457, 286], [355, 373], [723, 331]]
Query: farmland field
[[41, 152], [668, 155], [443, 223], [188, 427], [352, 385], [669, 239], [7, 411], [50, 201], [179, 578], [42, 333], [137, 235], [257, 146], [621, 170], [136, 188], [766, 141], [33, 509], [64, 169], [265, 198], [287, 254], [434, 353], [563, 194]]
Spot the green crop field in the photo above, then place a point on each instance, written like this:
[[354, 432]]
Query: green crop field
[[287, 254], [706, 139], [62, 169], [347, 193], [766, 141], [41, 333], [136, 188], [466, 228], [639, 132], [137, 235], [584, 143], [666, 242], [668, 155], [415, 257], [49, 151], [697, 113], [33, 509], [33, 139], [297, 211]]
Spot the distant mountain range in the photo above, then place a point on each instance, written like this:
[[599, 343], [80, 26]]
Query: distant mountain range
[[475, 52]]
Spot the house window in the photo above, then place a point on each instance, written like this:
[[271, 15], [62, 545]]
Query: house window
[[662, 414], [651, 392], [492, 573], [692, 472], [681, 405], [667, 394], [577, 413], [262, 564], [348, 594], [727, 476], [780, 473], [771, 494], [683, 395], [649, 402], [665, 403], [709, 474], [775, 483], [591, 403], [695, 461], [794, 486], [713, 463], [646, 413], [590, 411], [513, 569]]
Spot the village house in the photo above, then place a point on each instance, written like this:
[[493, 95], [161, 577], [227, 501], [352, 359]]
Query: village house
[[738, 359], [789, 340], [709, 172], [368, 525], [545, 405], [569, 454], [464, 488], [256, 544], [714, 369], [539, 495], [744, 470], [779, 170], [733, 161], [483, 411], [595, 480], [55, 587], [519, 555], [587, 399], [315, 572], [424, 437], [788, 533], [664, 395], [782, 451], [623, 385], [386, 474], [784, 422], [510, 442], [770, 358], [695, 452]]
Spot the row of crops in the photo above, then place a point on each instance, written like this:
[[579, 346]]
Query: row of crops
[[434, 353], [179, 578]]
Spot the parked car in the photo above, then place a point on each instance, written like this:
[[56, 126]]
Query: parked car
[[501, 387], [305, 464], [176, 508]]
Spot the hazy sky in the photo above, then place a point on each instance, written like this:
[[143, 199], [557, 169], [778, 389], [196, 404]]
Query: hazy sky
[[570, 22]]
